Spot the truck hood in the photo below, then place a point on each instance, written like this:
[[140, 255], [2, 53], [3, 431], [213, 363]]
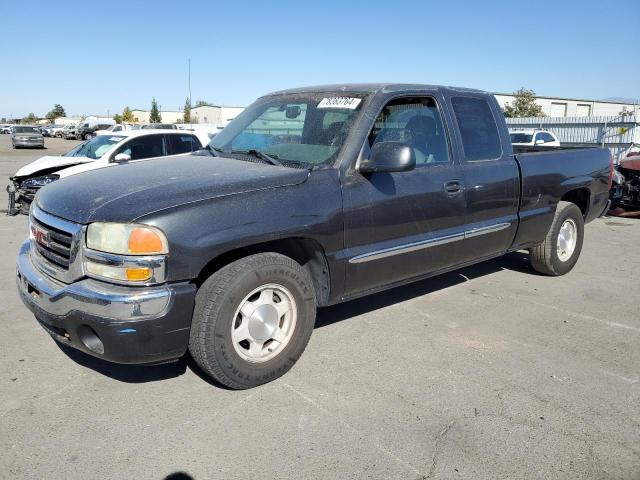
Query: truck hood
[[131, 191], [49, 162]]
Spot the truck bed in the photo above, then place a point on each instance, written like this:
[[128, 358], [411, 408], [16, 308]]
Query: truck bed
[[547, 176]]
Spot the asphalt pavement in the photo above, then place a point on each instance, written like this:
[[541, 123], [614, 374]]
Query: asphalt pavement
[[491, 372]]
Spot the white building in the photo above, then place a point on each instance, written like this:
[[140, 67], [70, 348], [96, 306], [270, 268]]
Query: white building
[[168, 116], [67, 120], [573, 107], [214, 114]]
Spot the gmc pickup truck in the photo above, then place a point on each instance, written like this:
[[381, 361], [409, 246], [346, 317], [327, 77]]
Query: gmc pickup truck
[[308, 198]]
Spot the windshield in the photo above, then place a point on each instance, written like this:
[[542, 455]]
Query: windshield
[[521, 137], [304, 129], [26, 130], [96, 147]]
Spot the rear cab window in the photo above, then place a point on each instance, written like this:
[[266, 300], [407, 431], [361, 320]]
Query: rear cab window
[[478, 128]]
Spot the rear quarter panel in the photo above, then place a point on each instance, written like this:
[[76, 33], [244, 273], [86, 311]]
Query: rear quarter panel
[[547, 177]]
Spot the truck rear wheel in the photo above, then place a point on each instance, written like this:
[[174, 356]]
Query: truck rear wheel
[[252, 320], [561, 248]]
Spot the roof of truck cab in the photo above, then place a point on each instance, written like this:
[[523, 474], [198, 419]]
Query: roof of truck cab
[[372, 88]]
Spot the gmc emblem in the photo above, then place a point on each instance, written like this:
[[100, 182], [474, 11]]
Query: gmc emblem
[[40, 236]]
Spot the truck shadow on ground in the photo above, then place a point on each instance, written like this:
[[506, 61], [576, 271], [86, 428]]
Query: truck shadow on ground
[[516, 261]]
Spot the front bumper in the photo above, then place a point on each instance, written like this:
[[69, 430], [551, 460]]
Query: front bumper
[[120, 324], [29, 143], [20, 199]]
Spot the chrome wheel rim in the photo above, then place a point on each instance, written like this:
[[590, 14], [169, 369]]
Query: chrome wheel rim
[[567, 239], [264, 323]]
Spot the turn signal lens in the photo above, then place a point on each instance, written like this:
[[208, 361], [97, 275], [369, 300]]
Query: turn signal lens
[[109, 272], [138, 274], [143, 240]]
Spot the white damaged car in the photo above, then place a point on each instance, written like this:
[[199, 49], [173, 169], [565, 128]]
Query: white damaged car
[[102, 151]]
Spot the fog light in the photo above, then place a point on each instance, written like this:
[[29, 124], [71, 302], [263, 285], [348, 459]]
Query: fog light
[[90, 339]]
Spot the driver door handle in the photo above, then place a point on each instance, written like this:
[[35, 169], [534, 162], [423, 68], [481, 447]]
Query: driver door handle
[[454, 187]]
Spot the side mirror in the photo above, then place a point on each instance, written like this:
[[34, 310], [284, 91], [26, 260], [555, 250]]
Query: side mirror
[[539, 142], [389, 157], [293, 111], [122, 157]]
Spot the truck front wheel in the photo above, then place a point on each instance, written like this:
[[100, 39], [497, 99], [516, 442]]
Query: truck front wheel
[[252, 320], [561, 248]]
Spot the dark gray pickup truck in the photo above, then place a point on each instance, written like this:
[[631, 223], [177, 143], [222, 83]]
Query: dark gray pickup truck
[[308, 198]]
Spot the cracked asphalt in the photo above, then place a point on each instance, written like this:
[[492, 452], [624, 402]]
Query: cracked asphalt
[[491, 372]]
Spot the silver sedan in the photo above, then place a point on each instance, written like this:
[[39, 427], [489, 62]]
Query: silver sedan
[[25, 136]]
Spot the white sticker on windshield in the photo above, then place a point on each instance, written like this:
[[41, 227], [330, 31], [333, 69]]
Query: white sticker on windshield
[[340, 102], [115, 139]]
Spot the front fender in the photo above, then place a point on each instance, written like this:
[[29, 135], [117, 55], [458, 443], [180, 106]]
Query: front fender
[[202, 231]]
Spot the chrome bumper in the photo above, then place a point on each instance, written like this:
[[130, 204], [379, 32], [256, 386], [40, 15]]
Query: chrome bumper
[[29, 143], [89, 296]]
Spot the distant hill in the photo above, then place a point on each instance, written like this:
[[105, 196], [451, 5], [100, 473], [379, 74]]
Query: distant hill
[[621, 100]]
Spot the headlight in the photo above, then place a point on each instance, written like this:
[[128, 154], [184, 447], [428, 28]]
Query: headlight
[[126, 239], [39, 182], [126, 253]]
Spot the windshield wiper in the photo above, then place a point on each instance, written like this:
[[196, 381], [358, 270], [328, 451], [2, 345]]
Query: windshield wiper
[[263, 156]]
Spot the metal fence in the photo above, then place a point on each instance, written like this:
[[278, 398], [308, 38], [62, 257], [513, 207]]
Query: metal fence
[[618, 133]]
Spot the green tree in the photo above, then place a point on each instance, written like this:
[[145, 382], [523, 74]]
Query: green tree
[[31, 118], [127, 115], [186, 117], [523, 105], [201, 103], [154, 116], [55, 112]]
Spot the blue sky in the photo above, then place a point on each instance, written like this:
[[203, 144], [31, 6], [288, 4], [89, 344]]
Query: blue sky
[[92, 57]]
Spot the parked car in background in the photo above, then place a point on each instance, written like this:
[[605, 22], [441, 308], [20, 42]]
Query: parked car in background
[[47, 130], [87, 128], [56, 130], [310, 197], [23, 136], [201, 129], [625, 190], [69, 132], [101, 151], [533, 137], [120, 127], [4, 129], [163, 126]]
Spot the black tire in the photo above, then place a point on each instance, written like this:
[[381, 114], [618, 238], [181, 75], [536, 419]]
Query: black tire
[[544, 257], [88, 136], [211, 344]]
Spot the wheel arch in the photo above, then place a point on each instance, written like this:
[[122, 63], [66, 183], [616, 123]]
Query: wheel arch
[[581, 197], [308, 252]]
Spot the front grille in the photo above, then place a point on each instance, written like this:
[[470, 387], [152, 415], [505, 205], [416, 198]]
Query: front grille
[[58, 248], [55, 245]]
